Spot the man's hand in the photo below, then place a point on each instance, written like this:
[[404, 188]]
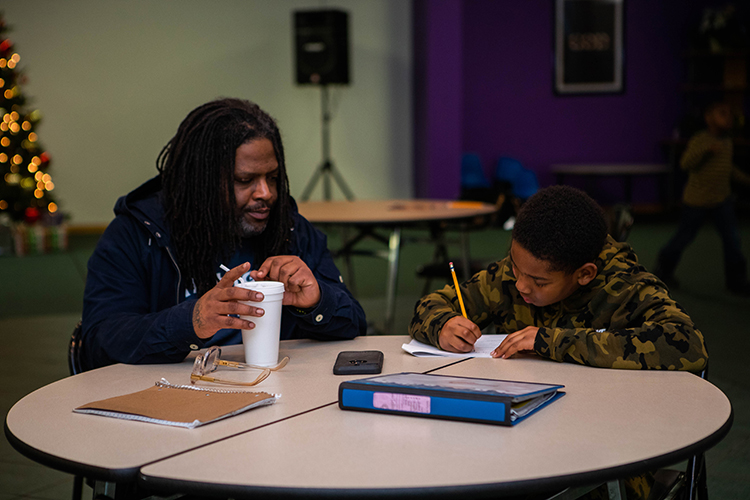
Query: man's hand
[[211, 312], [301, 289], [516, 342], [458, 335]]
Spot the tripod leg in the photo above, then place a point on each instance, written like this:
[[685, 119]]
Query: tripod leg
[[326, 168], [342, 184], [311, 185], [327, 183]]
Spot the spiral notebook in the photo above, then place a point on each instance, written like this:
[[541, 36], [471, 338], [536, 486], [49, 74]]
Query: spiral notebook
[[178, 405]]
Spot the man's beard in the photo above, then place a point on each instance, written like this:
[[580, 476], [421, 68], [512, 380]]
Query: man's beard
[[248, 230], [251, 229]]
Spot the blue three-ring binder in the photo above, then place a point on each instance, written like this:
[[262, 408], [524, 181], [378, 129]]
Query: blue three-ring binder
[[501, 402]]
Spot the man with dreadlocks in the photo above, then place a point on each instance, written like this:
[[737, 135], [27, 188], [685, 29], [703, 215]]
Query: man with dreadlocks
[[155, 289]]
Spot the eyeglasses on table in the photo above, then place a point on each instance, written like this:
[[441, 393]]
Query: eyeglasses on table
[[210, 361]]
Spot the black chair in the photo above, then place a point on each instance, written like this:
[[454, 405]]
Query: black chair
[[74, 351], [74, 368], [620, 221]]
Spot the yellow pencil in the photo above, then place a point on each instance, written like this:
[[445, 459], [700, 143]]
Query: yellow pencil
[[458, 291]]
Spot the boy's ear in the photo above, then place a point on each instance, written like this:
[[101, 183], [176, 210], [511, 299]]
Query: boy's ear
[[586, 273]]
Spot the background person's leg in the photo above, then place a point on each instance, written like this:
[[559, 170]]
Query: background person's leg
[[735, 265], [691, 221]]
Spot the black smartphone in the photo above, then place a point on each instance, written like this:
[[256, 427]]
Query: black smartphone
[[358, 362]]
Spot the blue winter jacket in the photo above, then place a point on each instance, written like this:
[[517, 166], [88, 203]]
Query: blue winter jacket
[[135, 307]]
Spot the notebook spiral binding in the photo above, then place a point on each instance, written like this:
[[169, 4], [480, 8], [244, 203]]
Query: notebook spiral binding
[[165, 383]]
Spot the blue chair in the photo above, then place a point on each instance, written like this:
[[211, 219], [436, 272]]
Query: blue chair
[[472, 173], [474, 183], [513, 184], [507, 170], [525, 184], [512, 178]]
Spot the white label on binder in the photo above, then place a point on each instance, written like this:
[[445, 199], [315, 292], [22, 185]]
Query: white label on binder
[[401, 402]]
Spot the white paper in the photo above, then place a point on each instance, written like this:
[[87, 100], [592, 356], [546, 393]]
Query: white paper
[[482, 348]]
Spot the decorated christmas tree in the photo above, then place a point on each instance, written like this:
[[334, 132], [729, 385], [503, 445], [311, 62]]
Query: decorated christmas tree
[[25, 185]]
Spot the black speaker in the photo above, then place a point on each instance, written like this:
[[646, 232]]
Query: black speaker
[[322, 46]]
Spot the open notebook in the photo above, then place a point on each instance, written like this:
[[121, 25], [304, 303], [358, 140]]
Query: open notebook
[[178, 405]]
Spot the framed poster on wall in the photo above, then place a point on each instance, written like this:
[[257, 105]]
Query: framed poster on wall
[[589, 46]]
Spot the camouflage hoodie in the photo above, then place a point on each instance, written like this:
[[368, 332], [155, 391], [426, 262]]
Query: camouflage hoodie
[[624, 318]]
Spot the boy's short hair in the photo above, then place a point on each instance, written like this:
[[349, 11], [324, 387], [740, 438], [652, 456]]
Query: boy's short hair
[[563, 226]]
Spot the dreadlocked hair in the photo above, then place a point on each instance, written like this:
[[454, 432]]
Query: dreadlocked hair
[[197, 177], [563, 226]]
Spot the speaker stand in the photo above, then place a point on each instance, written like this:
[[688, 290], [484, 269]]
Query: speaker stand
[[326, 169]]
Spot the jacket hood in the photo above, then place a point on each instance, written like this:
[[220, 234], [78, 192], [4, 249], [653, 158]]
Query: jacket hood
[[618, 267], [144, 204]]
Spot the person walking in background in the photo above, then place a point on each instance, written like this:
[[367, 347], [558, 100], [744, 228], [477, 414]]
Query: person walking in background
[[708, 161]]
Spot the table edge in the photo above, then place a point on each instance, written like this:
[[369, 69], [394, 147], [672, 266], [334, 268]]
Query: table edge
[[127, 474], [130, 474], [620, 168], [527, 486], [462, 214]]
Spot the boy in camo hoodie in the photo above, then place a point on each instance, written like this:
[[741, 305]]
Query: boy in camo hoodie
[[567, 291]]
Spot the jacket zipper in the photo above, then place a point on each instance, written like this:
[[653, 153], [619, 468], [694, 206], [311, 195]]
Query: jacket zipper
[[179, 274]]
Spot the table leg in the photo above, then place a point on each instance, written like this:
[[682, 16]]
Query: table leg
[[616, 490], [347, 257], [104, 489], [394, 248], [628, 189], [465, 253], [573, 493]]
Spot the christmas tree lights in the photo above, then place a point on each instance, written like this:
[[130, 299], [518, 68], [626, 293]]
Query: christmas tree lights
[[25, 187], [30, 221]]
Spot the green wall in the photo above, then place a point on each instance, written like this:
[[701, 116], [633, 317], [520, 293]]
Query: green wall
[[113, 80]]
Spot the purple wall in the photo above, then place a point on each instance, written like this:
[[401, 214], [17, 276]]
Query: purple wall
[[504, 97], [438, 104]]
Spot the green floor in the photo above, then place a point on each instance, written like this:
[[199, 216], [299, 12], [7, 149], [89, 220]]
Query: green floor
[[41, 298]]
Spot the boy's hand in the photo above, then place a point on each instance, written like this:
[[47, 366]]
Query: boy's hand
[[458, 335], [520, 341]]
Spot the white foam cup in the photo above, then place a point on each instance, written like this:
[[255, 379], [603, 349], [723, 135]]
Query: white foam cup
[[262, 342]]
